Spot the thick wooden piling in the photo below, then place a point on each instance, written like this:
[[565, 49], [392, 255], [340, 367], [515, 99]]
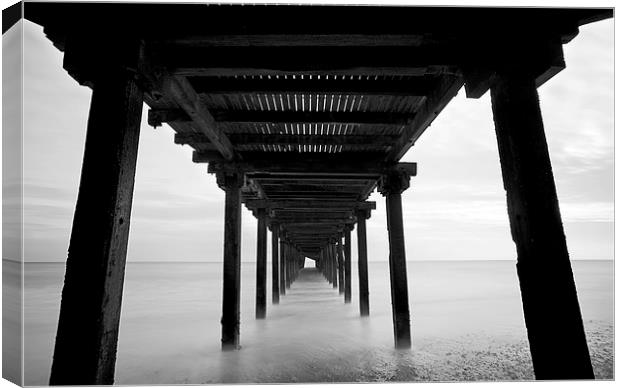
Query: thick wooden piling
[[287, 265], [340, 266], [334, 261], [231, 183], [391, 186], [282, 267], [550, 305], [275, 268], [347, 265], [362, 264], [261, 264], [90, 308]]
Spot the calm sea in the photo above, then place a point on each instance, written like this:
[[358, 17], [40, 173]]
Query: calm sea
[[467, 324]]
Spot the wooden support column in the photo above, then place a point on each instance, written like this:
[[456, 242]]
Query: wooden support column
[[347, 264], [362, 215], [327, 264], [261, 264], [282, 267], [231, 183], [391, 185], [340, 266], [90, 308], [275, 268], [334, 260], [550, 305], [287, 263]]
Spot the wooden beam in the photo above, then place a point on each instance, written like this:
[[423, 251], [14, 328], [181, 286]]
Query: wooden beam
[[311, 205], [248, 139], [183, 94], [314, 213], [431, 108], [304, 188], [298, 40], [352, 118], [370, 164], [440, 58], [313, 220], [156, 117], [320, 84], [316, 223]]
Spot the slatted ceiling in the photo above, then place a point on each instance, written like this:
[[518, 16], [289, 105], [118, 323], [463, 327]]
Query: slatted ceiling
[[311, 102]]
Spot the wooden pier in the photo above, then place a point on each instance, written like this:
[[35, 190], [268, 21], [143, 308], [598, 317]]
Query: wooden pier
[[300, 121]]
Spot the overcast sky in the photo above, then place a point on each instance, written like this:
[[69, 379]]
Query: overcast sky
[[455, 208]]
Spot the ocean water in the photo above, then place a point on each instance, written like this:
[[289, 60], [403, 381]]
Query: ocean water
[[467, 324]]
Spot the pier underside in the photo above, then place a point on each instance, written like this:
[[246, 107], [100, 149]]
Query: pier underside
[[301, 112]]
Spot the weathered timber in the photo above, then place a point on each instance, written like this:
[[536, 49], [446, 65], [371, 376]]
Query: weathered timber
[[362, 264], [275, 268], [352, 118], [542, 56], [200, 26], [326, 84], [370, 165], [251, 139], [347, 265], [341, 279], [296, 40], [231, 183], [90, 308], [334, 261], [443, 58], [261, 265], [552, 315], [157, 117], [304, 188], [287, 265], [318, 213], [182, 92], [391, 186], [311, 205], [282, 266]]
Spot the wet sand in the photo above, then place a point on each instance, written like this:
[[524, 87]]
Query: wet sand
[[467, 324]]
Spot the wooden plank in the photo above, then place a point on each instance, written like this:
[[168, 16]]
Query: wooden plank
[[182, 92], [313, 220], [315, 213], [286, 139], [293, 204], [291, 117], [304, 188], [369, 164], [440, 58], [327, 179], [297, 40], [199, 70], [321, 84]]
